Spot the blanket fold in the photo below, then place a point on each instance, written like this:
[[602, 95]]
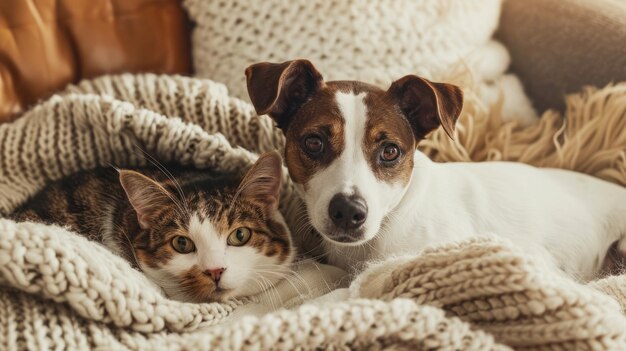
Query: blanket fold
[[58, 290]]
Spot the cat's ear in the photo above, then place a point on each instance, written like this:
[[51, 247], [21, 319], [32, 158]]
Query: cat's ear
[[262, 182], [147, 197]]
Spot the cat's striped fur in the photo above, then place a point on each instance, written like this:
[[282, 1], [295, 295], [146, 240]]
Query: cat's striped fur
[[139, 214]]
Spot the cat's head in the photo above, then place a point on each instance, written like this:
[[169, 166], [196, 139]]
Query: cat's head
[[209, 243]]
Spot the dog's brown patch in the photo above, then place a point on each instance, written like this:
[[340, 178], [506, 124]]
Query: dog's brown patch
[[386, 125], [321, 115]]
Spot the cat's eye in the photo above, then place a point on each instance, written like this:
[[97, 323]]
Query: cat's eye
[[239, 237], [183, 244]]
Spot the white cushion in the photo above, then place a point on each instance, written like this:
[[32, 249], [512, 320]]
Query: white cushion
[[374, 41]]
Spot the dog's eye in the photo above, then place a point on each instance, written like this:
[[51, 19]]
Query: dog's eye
[[390, 153], [313, 144], [183, 244]]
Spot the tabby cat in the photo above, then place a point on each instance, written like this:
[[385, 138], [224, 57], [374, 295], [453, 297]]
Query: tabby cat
[[199, 236]]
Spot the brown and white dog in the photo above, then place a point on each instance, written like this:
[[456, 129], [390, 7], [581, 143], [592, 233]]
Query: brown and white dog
[[351, 150]]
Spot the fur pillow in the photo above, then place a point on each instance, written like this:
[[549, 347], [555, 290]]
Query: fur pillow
[[372, 41]]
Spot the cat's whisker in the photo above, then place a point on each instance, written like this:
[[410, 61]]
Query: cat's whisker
[[302, 223], [302, 281], [121, 230], [287, 275], [295, 287], [266, 294], [316, 248], [272, 294], [182, 209], [271, 287], [306, 255], [168, 283], [311, 258], [246, 182], [262, 287], [304, 228], [173, 288], [319, 270], [296, 275]]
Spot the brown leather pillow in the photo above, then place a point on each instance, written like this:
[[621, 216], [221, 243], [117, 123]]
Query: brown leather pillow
[[559, 46], [46, 44]]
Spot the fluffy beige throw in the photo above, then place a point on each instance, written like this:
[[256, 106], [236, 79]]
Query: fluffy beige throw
[[58, 290]]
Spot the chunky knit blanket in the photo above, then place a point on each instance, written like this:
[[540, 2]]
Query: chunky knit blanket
[[57, 290]]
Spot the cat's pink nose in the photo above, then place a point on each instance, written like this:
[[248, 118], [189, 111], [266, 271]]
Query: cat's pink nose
[[216, 273]]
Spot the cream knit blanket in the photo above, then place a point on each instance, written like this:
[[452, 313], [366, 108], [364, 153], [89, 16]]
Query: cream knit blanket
[[58, 290]]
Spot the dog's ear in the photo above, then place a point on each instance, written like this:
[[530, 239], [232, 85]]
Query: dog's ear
[[427, 105], [279, 89]]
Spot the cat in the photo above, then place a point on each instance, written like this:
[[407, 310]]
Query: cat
[[201, 237]]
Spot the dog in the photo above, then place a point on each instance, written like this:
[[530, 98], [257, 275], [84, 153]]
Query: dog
[[351, 150]]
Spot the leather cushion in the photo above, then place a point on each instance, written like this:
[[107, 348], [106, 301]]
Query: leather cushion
[[559, 46], [46, 44]]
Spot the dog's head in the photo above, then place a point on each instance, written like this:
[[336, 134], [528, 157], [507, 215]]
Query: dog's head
[[349, 145]]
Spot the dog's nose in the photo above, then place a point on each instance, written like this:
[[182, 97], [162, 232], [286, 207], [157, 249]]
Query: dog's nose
[[215, 274], [347, 212]]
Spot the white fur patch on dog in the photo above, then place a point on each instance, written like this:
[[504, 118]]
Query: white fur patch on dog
[[351, 174]]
